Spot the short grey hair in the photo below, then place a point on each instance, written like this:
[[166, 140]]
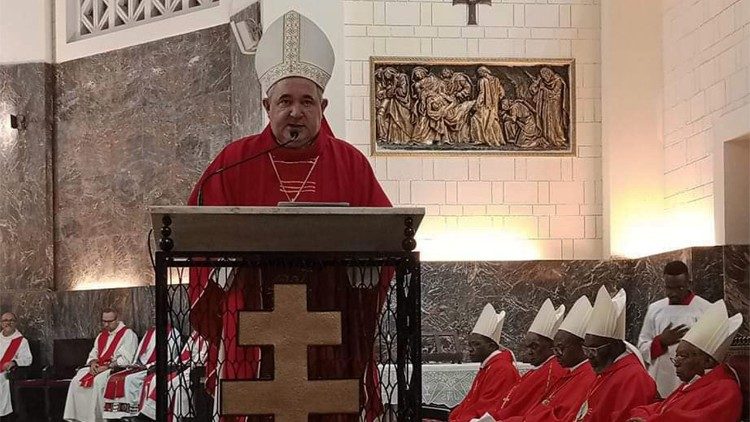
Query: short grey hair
[[318, 89]]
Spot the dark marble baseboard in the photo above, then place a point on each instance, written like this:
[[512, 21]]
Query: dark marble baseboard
[[453, 293]]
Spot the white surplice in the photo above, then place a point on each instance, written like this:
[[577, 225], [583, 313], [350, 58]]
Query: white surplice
[[128, 405], [85, 404], [22, 357], [658, 316]]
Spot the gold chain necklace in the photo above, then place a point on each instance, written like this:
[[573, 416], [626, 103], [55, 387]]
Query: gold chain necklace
[[281, 183]]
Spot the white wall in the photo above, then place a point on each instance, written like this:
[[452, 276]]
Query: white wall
[[707, 85], [632, 91], [494, 207], [25, 31]]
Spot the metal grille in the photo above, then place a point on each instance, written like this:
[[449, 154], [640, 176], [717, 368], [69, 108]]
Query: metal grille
[[95, 17], [384, 286]]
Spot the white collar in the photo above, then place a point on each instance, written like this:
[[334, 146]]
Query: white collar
[[573, 368], [625, 353], [12, 335], [492, 355], [545, 362]]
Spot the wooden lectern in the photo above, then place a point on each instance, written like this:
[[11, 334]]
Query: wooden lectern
[[316, 270]]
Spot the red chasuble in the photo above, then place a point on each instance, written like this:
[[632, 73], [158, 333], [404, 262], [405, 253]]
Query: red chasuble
[[622, 386], [529, 390], [563, 400], [330, 170], [714, 397], [492, 383]]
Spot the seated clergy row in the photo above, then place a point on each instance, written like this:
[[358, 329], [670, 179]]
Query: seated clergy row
[[118, 379], [586, 371]]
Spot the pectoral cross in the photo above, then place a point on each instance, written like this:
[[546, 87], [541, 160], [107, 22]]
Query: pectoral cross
[[472, 5]]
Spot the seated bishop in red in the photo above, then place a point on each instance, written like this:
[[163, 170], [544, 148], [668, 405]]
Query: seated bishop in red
[[622, 381], [537, 347], [497, 373], [710, 390], [561, 402], [296, 159]]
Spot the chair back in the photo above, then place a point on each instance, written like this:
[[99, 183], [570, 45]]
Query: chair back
[[70, 354]]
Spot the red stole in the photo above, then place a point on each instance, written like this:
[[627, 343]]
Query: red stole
[[529, 390], [563, 400], [104, 357], [342, 174], [715, 397], [492, 383], [116, 383], [11, 351], [625, 384]]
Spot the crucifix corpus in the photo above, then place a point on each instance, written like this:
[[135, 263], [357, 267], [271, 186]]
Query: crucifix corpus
[[472, 5]]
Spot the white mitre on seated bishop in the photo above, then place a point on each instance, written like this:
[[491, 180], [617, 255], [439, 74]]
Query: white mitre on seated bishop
[[490, 323], [293, 45], [547, 320], [714, 331], [578, 318], [608, 315]]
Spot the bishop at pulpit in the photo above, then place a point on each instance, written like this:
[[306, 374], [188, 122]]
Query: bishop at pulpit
[[298, 306]]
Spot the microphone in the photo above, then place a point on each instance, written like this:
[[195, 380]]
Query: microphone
[[293, 135]]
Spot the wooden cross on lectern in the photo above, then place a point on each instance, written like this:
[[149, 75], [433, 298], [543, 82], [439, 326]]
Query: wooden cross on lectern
[[472, 5]]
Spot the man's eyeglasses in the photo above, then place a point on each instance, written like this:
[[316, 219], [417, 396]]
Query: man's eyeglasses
[[108, 321], [680, 358], [8, 320], [593, 351]]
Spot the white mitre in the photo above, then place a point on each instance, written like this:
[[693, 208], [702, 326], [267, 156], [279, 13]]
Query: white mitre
[[714, 331], [578, 318], [490, 323], [608, 315], [547, 320], [294, 46]]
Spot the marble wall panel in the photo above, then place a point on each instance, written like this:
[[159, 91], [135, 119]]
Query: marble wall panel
[[26, 246], [247, 109], [737, 283], [135, 127]]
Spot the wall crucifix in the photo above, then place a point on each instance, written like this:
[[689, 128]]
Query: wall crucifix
[[472, 5]]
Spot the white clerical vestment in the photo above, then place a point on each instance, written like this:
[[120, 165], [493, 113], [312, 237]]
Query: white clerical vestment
[[123, 391], [658, 316], [12, 348], [178, 382], [84, 404]]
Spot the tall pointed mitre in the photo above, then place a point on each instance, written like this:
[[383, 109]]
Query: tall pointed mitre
[[578, 318], [608, 315], [714, 331], [294, 46], [547, 320], [490, 323]]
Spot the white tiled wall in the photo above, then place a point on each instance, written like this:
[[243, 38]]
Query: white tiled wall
[[707, 74], [555, 203]]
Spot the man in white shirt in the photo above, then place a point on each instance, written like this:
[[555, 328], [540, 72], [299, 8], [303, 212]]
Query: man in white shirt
[[14, 351], [115, 346], [666, 321]]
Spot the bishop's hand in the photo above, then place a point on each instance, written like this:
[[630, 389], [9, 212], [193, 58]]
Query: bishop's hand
[[672, 335]]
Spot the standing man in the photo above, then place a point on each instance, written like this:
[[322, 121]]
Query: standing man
[[115, 346], [298, 159], [536, 383], [14, 351], [497, 373], [710, 389], [666, 321], [622, 381]]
